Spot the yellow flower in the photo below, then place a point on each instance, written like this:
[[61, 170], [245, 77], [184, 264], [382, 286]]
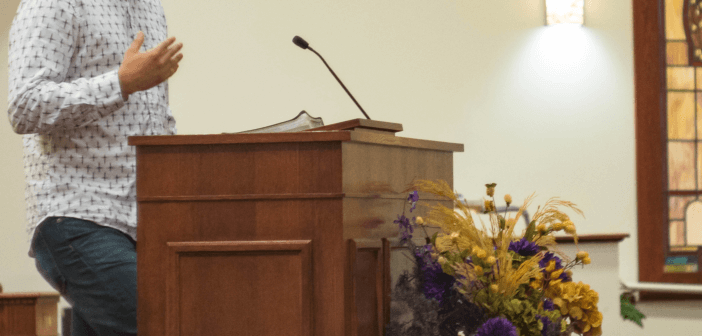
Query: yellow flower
[[558, 226], [554, 282], [587, 261], [581, 255], [419, 220], [441, 260], [508, 199], [491, 189], [556, 274], [576, 312], [489, 205], [579, 302], [538, 281], [542, 228], [478, 270], [595, 318], [494, 288], [561, 304], [491, 260], [551, 266], [478, 252], [596, 331], [569, 227]]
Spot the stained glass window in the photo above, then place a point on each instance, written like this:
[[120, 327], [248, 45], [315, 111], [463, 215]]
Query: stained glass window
[[683, 33]]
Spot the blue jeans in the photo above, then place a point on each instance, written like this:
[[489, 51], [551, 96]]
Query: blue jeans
[[94, 269]]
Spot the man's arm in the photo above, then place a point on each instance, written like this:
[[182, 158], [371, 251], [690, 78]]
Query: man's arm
[[43, 39], [142, 71]]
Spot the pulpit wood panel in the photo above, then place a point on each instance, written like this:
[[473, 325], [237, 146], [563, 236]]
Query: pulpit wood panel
[[233, 192], [29, 314], [228, 298]]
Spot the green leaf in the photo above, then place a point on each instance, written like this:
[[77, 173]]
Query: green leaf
[[448, 269], [629, 312], [433, 238], [464, 255], [531, 230]]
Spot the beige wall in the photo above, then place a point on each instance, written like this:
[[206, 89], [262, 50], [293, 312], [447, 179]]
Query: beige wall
[[17, 271], [539, 109]]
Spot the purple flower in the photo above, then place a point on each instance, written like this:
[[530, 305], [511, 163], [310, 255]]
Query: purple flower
[[413, 198], [524, 248], [559, 264], [497, 326], [548, 305], [403, 222], [434, 282], [546, 322], [406, 228], [548, 257], [405, 236]]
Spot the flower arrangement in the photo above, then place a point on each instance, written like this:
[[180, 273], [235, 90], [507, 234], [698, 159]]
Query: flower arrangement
[[487, 280]]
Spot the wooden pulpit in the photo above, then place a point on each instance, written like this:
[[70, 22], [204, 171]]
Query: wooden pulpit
[[29, 314], [274, 234]]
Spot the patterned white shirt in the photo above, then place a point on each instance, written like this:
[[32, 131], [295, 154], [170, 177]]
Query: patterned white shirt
[[65, 97]]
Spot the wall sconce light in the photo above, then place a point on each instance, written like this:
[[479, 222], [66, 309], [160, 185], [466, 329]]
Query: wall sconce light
[[564, 11]]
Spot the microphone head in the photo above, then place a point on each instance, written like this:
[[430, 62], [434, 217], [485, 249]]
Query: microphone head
[[300, 42]]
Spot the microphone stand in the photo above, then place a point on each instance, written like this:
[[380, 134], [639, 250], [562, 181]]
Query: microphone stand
[[304, 45]]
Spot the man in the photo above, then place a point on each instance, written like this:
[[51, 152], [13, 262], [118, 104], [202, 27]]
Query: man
[[79, 86]]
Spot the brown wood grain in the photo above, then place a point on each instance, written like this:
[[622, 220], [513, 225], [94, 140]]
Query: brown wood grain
[[647, 296], [350, 311], [387, 285], [245, 169], [225, 138], [371, 284], [367, 278], [28, 295], [389, 140], [29, 314], [355, 124], [220, 282], [238, 197], [210, 193], [593, 238]]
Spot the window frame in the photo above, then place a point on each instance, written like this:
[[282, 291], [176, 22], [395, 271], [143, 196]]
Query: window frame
[[651, 148]]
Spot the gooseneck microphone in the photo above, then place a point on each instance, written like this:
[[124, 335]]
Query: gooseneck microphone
[[300, 42]]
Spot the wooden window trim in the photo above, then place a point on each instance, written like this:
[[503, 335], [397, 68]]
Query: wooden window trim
[[651, 148]]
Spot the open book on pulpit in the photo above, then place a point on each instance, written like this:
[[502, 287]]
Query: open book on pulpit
[[303, 121]]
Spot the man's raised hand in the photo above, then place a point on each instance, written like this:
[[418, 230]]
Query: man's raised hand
[[142, 71]]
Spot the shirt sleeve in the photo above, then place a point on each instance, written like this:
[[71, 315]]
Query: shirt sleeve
[[43, 39]]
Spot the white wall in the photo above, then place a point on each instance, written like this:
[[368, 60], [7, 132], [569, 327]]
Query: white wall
[[544, 110], [17, 272]]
